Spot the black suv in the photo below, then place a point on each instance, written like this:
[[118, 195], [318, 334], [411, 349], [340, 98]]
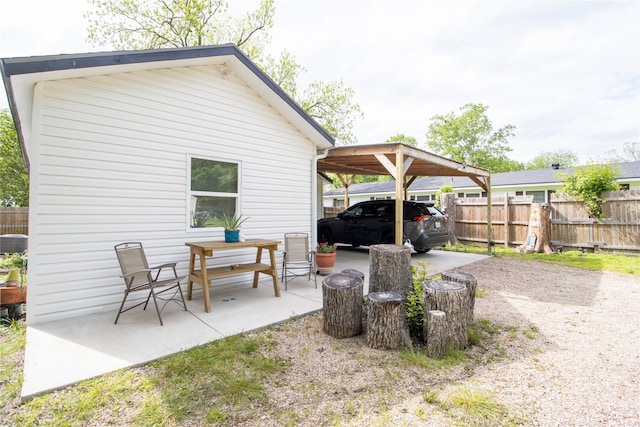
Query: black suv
[[372, 222]]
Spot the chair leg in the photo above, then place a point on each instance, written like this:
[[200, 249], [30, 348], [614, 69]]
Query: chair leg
[[155, 301], [126, 294], [184, 304]]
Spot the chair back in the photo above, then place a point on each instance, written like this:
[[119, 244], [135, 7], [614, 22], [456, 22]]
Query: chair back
[[296, 246], [132, 259]]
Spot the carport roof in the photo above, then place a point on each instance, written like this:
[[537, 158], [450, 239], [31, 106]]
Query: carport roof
[[380, 159]]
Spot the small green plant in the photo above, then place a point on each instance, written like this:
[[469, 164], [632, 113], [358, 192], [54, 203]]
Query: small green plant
[[442, 190], [326, 248], [413, 307], [477, 407], [233, 222], [588, 182], [12, 261]]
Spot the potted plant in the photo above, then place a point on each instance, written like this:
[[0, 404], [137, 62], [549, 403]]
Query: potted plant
[[232, 225], [325, 257]]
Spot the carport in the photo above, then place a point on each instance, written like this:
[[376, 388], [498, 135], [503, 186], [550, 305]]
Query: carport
[[404, 164]]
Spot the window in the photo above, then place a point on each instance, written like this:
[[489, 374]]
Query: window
[[473, 194], [624, 186], [538, 196], [213, 191]]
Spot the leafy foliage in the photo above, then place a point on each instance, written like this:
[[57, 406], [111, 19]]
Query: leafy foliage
[[588, 182], [413, 308], [233, 222], [469, 138], [331, 104], [442, 190], [564, 158], [14, 180], [152, 24], [402, 139]]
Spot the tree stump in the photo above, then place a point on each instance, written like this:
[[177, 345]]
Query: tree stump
[[467, 279], [538, 230], [453, 299], [353, 272], [435, 336], [448, 203], [342, 305], [390, 269], [386, 323]]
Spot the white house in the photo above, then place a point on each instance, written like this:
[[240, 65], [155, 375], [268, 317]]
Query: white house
[[539, 183], [112, 140]]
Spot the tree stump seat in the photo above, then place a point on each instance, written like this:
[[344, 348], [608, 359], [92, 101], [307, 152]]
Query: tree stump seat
[[453, 299], [469, 281], [342, 300], [386, 323], [390, 269]]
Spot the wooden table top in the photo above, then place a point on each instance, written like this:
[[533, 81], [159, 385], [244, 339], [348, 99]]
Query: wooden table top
[[221, 244]]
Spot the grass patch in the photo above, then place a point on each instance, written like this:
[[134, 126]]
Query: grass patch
[[13, 337], [206, 382], [452, 357], [477, 408], [623, 264]]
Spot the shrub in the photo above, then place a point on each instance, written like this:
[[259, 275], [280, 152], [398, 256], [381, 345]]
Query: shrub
[[588, 182]]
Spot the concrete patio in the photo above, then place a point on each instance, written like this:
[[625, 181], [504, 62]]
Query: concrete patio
[[64, 352]]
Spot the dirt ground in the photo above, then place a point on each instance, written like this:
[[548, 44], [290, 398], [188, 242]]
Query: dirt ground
[[564, 350], [567, 354]]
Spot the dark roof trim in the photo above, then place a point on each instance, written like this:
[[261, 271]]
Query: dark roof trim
[[42, 64]]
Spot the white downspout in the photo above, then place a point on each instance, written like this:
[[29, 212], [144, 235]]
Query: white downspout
[[314, 194]]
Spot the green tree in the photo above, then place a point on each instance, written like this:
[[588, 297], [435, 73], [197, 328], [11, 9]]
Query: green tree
[[564, 158], [446, 188], [154, 24], [469, 138], [402, 139], [14, 181], [588, 182], [630, 153], [150, 24]]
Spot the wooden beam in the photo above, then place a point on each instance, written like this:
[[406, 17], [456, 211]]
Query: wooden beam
[[388, 164], [489, 203], [399, 198]]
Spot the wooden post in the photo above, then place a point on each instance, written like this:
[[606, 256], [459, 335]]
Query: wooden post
[[435, 336], [386, 324], [469, 281], [453, 299], [342, 301], [390, 269], [506, 220]]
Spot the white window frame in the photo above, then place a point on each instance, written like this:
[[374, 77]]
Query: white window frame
[[191, 194]]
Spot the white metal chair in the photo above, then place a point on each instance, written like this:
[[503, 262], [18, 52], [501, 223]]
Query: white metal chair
[[298, 260], [138, 276]]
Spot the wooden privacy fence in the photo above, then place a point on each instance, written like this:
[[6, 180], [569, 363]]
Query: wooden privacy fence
[[571, 227], [14, 220]]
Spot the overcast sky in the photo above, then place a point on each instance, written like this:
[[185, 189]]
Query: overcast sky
[[566, 74]]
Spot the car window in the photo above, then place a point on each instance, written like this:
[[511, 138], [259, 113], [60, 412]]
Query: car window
[[411, 211], [384, 211], [353, 212], [434, 211]]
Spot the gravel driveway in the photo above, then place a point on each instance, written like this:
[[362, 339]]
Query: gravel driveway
[[585, 367]]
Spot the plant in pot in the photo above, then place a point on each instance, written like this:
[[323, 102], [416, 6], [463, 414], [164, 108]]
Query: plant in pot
[[325, 257], [232, 225]]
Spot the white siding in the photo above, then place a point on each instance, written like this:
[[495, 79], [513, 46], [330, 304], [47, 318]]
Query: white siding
[[110, 165]]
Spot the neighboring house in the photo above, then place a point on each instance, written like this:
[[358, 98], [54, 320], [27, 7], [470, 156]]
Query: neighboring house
[[539, 183], [112, 141]]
